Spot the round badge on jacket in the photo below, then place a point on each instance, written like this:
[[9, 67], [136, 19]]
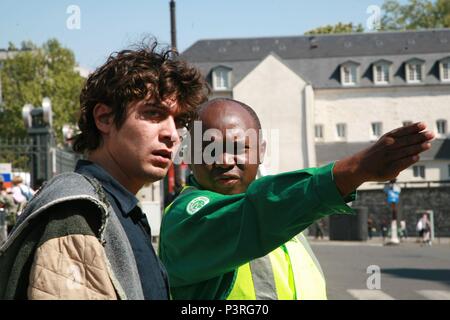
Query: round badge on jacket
[[196, 204]]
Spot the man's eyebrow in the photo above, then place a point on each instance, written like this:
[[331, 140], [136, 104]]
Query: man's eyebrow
[[165, 109], [154, 104]]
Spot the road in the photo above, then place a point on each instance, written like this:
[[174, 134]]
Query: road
[[407, 272]]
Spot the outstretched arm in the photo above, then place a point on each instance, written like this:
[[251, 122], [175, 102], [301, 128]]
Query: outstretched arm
[[392, 153]]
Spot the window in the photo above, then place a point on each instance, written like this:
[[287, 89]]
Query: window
[[419, 172], [318, 131], [221, 78], [414, 71], [445, 70], [349, 73], [341, 130], [441, 126], [407, 123], [381, 73], [376, 130]]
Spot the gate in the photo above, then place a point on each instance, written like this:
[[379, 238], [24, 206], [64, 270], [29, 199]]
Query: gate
[[38, 156]]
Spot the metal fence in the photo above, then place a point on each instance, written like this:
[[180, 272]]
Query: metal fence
[[38, 156], [64, 160], [18, 152]]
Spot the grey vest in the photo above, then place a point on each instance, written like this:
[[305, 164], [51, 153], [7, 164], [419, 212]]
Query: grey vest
[[70, 186]]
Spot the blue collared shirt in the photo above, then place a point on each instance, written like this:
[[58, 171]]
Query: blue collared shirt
[[151, 271]]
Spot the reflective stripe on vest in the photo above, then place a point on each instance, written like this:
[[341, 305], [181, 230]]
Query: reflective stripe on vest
[[294, 274], [263, 279], [308, 275]]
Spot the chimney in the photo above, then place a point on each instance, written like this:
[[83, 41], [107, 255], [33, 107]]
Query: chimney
[[173, 26]]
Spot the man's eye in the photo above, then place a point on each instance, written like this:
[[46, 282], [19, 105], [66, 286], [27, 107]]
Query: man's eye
[[153, 114]]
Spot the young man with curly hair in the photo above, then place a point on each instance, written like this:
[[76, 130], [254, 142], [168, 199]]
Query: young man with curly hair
[[83, 236]]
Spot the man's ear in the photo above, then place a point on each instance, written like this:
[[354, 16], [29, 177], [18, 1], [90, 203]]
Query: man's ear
[[103, 118], [262, 151]]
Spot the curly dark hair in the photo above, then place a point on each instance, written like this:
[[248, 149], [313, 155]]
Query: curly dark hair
[[132, 75]]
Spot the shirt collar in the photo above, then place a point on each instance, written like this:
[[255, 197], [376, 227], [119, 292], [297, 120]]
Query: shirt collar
[[124, 198], [191, 181]]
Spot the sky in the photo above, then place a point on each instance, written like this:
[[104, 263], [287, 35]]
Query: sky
[[102, 27]]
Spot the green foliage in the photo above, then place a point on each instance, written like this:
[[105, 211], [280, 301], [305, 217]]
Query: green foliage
[[35, 73], [337, 28], [416, 15], [27, 45], [442, 13], [11, 46]]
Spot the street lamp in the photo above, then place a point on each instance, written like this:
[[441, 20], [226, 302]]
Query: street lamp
[[173, 26], [47, 111], [38, 122]]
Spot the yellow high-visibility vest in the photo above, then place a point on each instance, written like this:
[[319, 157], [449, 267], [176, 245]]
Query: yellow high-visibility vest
[[290, 272]]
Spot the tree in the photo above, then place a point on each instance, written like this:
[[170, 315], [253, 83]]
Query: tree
[[442, 13], [416, 14], [11, 46], [337, 28], [31, 75], [28, 45]]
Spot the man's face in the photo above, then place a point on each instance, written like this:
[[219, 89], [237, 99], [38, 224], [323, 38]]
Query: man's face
[[236, 167], [143, 146]]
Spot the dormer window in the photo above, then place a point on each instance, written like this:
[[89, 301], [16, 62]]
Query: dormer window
[[221, 79], [381, 72], [414, 70], [414, 73], [349, 73], [444, 69]]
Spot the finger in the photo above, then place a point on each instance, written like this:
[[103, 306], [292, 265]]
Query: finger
[[404, 163], [403, 131], [413, 139], [410, 151]]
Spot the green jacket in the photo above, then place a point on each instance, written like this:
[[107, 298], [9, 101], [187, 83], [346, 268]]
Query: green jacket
[[206, 236]]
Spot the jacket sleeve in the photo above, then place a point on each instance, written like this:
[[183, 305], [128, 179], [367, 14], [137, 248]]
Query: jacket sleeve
[[205, 234], [70, 262]]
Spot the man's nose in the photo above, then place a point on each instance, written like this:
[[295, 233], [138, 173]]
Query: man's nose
[[168, 133], [226, 160]]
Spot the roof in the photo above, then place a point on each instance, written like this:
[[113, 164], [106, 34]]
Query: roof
[[321, 46], [317, 58], [329, 152]]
